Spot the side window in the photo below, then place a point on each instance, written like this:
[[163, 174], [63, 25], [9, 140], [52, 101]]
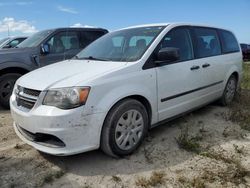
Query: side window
[[229, 42], [206, 42], [179, 38], [64, 41], [14, 43], [89, 36]]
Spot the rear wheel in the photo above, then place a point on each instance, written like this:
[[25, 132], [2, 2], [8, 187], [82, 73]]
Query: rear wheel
[[124, 128], [230, 91], [7, 82]]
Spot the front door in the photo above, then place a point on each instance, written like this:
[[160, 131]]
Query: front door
[[179, 83]]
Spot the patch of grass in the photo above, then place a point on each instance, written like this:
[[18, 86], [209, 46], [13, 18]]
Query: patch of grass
[[196, 182], [238, 149], [51, 176], [17, 146], [245, 84], [234, 173], [187, 142], [116, 179], [157, 178], [240, 110]]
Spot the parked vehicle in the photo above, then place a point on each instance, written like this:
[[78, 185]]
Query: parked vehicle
[[11, 42], [123, 84], [245, 48], [43, 48]]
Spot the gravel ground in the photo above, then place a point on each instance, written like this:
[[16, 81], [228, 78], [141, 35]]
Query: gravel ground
[[202, 149]]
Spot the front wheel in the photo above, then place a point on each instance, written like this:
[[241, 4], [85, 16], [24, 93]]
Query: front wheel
[[229, 91], [124, 128], [7, 82]]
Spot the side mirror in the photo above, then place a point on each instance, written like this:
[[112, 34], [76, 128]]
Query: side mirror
[[168, 54], [45, 49]]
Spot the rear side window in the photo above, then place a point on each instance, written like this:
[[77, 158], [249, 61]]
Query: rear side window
[[229, 42], [206, 42], [89, 36]]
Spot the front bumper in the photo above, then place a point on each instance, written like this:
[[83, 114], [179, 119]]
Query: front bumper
[[78, 132]]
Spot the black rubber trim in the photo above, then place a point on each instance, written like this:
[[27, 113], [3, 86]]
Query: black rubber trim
[[188, 92]]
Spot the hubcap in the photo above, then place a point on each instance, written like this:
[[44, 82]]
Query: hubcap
[[6, 89], [230, 90], [129, 129]]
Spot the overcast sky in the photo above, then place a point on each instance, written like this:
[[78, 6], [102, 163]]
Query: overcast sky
[[25, 17]]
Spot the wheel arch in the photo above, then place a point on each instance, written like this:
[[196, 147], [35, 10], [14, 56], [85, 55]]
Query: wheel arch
[[13, 70]]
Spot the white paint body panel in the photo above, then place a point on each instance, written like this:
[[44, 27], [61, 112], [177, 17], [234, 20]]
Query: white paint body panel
[[80, 128]]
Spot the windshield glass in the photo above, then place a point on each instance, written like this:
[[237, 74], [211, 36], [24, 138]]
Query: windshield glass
[[3, 40], [123, 45], [35, 39]]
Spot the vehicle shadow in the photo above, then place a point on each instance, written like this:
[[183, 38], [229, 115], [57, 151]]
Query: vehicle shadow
[[159, 150]]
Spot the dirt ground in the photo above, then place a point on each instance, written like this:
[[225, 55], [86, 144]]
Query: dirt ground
[[208, 148]]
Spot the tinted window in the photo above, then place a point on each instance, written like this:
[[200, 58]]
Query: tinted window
[[119, 45], [89, 36], [229, 42], [179, 38], [15, 42], [64, 41], [206, 42]]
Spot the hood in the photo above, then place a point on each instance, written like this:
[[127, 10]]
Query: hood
[[67, 74]]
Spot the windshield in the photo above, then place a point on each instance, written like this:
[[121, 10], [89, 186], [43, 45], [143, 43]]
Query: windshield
[[35, 39], [123, 45]]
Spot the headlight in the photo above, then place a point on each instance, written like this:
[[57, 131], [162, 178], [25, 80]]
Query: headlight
[[66, 98]]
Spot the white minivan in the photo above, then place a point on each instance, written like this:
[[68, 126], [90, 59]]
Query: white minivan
[[123, 84]]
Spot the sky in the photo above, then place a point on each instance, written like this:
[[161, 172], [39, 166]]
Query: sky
[[25, 17]]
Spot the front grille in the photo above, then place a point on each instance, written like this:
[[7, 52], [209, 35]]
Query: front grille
[[31, 92], [26, 97], [24, 103]]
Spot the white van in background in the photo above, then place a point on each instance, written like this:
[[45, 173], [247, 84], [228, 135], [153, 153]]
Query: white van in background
[[123, 84]]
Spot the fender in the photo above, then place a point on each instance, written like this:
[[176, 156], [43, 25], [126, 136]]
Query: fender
[[16, 64], [233, 69]]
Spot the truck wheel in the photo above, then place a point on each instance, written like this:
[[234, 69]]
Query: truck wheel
[[229, 91], [124, 128], [7, 82]]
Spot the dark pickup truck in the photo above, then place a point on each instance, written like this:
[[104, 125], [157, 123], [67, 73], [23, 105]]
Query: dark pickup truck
[[245, 48], [41, 49]]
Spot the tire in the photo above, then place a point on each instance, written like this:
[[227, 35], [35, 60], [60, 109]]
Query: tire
[[229, 91], [121, 134], [7, 83]]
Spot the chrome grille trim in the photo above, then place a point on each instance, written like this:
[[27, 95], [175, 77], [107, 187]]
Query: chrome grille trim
[[26, 98]]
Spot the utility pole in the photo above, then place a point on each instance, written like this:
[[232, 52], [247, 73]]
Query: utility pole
[[8, 30]]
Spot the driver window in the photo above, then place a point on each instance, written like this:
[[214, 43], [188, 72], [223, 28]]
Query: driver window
[[179, 38], [64, 41]]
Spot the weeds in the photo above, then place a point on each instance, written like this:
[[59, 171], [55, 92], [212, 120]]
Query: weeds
[[234, 173], [245, 84], [50, 177], [116, 179], [157, 178], [185, 141]]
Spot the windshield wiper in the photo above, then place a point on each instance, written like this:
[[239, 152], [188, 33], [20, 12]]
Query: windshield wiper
[[92, 58]]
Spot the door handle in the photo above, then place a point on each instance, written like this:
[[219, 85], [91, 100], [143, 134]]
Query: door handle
[[195, 67], [205, 65]]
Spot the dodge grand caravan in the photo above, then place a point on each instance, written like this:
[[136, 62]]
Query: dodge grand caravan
[[123, 84], [43, 48]]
